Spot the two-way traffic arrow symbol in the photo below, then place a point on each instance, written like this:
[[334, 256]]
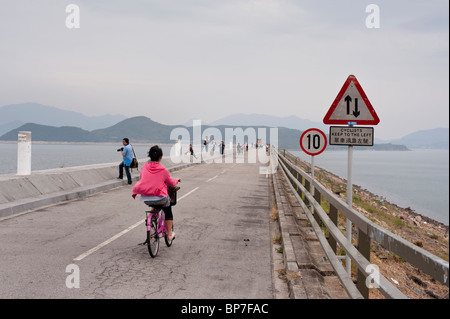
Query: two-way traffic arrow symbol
[[342, 110], [348, 99], [356, 112]]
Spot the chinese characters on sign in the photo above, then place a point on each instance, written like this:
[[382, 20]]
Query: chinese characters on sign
[[356, 136]]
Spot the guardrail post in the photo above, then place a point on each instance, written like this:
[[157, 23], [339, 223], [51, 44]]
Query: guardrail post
[[333, 214], [308, 189], [364, 249], [299, 191], [318, 198]]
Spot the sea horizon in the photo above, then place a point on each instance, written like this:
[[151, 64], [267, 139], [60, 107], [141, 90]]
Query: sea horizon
[[417, 179]]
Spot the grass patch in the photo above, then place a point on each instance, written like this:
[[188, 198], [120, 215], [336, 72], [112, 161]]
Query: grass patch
[[433, 236], [397, 258], [418, 243], [399, 222], [277, 240]]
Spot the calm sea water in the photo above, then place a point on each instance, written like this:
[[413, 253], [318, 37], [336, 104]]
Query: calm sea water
[[48, 156], [418, 179]]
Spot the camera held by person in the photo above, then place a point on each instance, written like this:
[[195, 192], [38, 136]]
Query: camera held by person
[[120, 149]]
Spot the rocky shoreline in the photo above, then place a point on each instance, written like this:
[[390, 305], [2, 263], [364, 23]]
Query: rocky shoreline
[[408, 210]]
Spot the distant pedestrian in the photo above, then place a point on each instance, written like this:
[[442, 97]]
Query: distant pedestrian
[[205, 143], [191, 150], [127, 154], [222, 148]]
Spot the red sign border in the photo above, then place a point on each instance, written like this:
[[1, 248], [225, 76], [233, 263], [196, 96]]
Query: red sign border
[[313, 129], [351, 78]]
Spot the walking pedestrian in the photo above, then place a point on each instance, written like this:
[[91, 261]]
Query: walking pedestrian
[[191, 150]]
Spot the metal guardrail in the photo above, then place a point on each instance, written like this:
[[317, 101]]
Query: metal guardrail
[[301, 182]]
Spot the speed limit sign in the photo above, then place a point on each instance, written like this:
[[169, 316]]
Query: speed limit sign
[[313, 141]]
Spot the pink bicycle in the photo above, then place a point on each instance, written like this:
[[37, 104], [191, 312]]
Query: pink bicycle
[[156, 228]]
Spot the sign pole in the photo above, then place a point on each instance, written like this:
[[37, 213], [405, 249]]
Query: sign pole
[[348, 261], [312, 181]]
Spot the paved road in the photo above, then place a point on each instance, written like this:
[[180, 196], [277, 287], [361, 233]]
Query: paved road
[[222, 249]]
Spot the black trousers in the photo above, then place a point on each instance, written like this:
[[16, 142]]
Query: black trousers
[[127, 171], [168, 212]]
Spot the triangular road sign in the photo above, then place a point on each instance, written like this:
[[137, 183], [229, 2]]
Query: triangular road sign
[[351, 105]]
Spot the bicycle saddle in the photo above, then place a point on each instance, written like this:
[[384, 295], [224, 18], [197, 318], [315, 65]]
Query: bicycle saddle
[[156, 203]]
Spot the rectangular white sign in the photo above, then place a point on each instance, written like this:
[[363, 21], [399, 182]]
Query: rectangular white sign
[[356, 136]]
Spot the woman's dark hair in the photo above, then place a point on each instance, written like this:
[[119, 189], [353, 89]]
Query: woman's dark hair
[[155, 153]]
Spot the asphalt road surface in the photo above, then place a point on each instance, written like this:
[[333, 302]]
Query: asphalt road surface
[[221, 250]]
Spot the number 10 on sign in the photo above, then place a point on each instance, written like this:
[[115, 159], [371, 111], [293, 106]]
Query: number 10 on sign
[[313, 141]]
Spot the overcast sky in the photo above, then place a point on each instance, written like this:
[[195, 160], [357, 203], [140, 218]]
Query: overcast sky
[[174, 60]]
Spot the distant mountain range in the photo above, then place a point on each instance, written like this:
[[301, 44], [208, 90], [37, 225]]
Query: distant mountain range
[[293, 122], [137, 129], [15, 115], [67, 126], [144, 130], [432, 139]]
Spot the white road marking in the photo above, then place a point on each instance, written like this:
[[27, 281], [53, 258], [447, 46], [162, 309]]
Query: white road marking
[[106, 242], [185, 195], [123, 232], [212, 178]]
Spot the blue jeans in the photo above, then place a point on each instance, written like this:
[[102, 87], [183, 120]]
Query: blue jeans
[[127, 171]]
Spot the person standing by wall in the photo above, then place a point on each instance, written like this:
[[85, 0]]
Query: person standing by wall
[[127, 154]]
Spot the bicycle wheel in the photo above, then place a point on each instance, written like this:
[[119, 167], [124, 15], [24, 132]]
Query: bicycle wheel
[[152, 238], [166, 238]]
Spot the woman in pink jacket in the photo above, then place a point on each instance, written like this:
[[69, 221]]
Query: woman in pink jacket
[[153, 183]]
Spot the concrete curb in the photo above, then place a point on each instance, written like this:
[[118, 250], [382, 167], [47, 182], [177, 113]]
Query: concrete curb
[[44, 188], [295, 283], [309, 273]]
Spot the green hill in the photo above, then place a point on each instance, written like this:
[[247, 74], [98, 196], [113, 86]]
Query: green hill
[[137, 129], [50, 133], [144, 130]]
